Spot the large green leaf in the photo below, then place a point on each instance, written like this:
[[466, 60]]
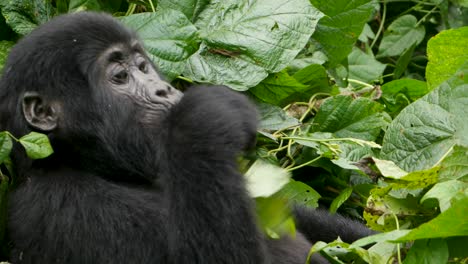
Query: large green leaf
[[277, 88], [425, 131], [245, 40], [191, 8], [340, 28], [346, 117], [168, 36], [447, 51], [23, 16], [402, 33]]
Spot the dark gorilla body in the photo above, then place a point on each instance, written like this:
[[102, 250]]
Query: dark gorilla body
[[140, 173]]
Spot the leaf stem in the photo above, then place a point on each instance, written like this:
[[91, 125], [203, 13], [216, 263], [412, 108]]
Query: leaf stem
[[152, 6], [382, 22], [131, 9], [304, 164], [361, 83], [398, 244], [426, 15], [11, 136]]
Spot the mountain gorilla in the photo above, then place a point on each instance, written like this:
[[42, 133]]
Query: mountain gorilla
[[140, 173]]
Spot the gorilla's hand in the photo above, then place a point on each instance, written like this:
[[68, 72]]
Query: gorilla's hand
[[214, 119]]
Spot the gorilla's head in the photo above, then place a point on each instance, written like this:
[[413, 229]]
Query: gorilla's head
[[86, 81]]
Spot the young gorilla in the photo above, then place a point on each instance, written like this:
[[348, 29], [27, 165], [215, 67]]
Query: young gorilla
[[140, 173]]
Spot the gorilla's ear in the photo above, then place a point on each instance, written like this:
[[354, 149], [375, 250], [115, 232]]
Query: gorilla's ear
[[39, 112]]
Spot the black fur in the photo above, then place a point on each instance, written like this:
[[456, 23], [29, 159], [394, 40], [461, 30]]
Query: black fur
[[125, 186]]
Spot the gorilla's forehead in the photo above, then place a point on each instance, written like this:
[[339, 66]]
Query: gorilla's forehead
[[126, 49]]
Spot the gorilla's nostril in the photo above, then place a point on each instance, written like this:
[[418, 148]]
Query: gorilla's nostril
[[161, 93]]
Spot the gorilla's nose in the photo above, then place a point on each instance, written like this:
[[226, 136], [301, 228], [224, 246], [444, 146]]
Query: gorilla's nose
[[163, 91]]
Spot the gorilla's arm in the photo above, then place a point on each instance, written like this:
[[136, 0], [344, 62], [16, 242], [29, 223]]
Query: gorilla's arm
[[210, 216], [320, 225]]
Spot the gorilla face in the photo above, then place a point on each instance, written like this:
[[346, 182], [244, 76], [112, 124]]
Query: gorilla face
[[126, 71]]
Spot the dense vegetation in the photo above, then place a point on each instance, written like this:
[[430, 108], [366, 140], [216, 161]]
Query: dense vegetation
[[363, 107]]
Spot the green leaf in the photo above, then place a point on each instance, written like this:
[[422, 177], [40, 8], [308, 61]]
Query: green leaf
[[6, 145], [427, 252], [382, 208], [340, 199], [37, 145], [363, 67], [402, 33], [366, 34], [281, 88], [403, 62], [191, 8], [380, 237], [83, 5], [297, 192], [346, 117], [445, 192], [446, 53], [275, 217], [245, 40], [343, 152], [452, 222], [24, 15], [274, 118], [425, 131], [264, 179], [277, 88], [463, 3], [341, 26], [389, 169], [457, 247], [455, 165], [315, 76], [5, 47], [398, 94], [168, 36]]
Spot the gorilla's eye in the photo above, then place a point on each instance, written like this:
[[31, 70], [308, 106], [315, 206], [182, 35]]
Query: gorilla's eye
[[143, 67], [121, 77]]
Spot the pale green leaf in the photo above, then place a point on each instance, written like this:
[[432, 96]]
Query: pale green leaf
[[445, 192], [402, 33], [264, 179]]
